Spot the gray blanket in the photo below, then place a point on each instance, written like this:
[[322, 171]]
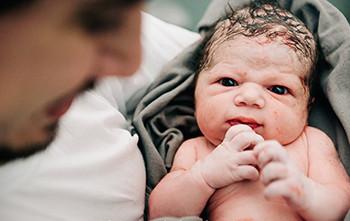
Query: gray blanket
[[164, 117]]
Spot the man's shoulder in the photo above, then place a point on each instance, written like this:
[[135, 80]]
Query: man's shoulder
[[88, 167]]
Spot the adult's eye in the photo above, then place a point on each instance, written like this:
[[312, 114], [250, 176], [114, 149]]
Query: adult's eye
[[98, 25], [277, 89], [228, 82], [98, 19]]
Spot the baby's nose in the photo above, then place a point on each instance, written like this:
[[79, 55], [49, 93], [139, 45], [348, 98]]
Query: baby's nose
[[250, 94]]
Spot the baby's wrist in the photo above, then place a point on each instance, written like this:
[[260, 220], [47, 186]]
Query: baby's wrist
[[197, 175], [305, 205]]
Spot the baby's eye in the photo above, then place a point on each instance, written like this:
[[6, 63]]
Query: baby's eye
[[277, 89], [228, 82]]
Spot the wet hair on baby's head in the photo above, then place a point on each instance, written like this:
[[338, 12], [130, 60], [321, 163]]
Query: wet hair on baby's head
[[263, 18]]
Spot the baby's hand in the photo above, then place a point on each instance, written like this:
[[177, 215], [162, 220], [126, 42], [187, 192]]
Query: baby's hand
[[230, 161], [280, 176]]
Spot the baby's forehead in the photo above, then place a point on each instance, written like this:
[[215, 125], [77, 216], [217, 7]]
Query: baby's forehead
[[265, 44], [260, 48], [300, 41], [280, 41], [269, 59]]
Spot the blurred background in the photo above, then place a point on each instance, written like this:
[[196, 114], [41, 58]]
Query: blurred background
[[187, 13]]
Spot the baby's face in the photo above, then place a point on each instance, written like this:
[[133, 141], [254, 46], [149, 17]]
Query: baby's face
[[256, 82]]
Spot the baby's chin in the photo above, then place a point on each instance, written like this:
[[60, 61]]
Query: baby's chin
[[283, 137]]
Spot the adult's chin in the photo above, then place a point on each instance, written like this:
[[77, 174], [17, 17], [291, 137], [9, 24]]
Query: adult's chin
[[9, 153]]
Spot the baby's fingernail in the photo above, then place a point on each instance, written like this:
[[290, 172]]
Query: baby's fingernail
[[261, 137]]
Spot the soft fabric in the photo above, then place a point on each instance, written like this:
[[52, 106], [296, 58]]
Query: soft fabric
[[83, 175], [94, 169], [186, 218], [164, 118]]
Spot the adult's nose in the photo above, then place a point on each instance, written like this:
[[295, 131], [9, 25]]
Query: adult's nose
[[251, 95], [120, 62], [119, 54]]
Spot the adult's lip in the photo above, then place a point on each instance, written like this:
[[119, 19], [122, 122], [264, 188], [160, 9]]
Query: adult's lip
[[61, 106], [245, 120]]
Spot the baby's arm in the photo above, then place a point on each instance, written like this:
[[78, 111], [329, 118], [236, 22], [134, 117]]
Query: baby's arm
[[324, 195], [180, 193], [330, 197], [191, 182]]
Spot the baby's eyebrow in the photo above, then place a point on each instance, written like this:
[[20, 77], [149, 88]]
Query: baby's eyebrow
[[285, 77]]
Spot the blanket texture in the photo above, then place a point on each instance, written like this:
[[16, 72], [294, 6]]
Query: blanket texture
[[164, 117]]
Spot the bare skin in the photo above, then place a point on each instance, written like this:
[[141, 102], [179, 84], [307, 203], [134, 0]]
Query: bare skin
[[285, 189], [258, 160], [291, 186]]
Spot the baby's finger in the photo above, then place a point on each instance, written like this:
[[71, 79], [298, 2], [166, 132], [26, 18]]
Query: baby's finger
[[270, 151], [276, 189], [247, 172], [290, 191], [234, 130], [244, 140], [246, 158], [273, 171]]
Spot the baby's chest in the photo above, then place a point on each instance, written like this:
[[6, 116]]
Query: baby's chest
[[298, 152], [253, 191], [245, 200]]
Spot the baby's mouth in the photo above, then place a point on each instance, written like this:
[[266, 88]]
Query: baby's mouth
[[247, 121]]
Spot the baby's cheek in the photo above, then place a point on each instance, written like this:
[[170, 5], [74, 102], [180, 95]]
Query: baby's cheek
[[209, 128], [283, 126]]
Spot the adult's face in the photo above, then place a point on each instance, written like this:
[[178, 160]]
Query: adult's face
[[52, 50]]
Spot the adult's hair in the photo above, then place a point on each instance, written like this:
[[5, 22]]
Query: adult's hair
[[7, 6]]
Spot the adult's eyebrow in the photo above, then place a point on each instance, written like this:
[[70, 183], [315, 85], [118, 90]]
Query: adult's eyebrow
[[103, 15], [110, 4]]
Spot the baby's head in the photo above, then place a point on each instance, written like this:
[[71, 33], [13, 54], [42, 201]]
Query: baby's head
[[256, 70], [264, 23]]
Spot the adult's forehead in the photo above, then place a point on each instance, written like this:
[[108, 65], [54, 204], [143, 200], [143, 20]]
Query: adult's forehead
[[8, 6], [107, 4], [115, 3]]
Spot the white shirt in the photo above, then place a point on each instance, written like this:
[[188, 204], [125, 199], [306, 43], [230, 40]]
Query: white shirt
[[94, 169]]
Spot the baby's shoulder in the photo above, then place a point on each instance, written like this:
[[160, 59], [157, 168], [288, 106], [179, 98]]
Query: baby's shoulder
[[190, 151], [317, 136], [200, 145], [195, 142], [319, 142]]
